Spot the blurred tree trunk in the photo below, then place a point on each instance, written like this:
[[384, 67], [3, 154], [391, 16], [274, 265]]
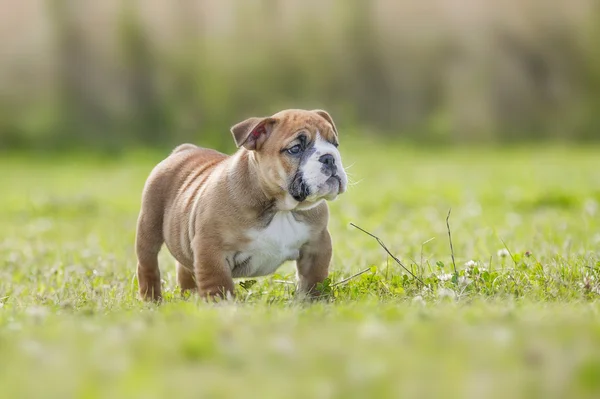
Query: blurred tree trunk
[[81, 112], [148, 118]]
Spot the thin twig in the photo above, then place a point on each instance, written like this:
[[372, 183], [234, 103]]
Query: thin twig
[[388, 251], [450, 238], [284, 282], [350, 278]]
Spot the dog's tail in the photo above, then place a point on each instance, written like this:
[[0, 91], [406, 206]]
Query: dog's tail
[[184, 147]]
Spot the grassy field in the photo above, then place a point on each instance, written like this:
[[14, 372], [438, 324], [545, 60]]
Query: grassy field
[[521, 318]]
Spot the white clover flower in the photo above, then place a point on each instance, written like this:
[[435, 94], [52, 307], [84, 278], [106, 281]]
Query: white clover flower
[[471, 264], [418, 300], [503, 253], [444, 276], [38, 312], [591, 207], [463, 281], [446, 293], [480, 269]]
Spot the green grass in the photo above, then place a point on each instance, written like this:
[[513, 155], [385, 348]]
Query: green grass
[[522, 325]]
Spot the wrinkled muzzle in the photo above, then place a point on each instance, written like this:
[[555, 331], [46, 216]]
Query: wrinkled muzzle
[[321, 174]]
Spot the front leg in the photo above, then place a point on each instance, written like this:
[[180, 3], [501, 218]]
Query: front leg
[[213, 274], [313, 264]]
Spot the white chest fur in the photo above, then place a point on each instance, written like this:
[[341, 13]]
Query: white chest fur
[[270, 247]]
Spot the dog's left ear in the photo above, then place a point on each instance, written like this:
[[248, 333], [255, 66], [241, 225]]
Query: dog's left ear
[[252, 133], [327, 117]]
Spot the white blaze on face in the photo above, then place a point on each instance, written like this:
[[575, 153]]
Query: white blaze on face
[[321, 182]]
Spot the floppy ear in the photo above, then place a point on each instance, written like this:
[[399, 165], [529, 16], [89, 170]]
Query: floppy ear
[[252, 132], [327, 117]]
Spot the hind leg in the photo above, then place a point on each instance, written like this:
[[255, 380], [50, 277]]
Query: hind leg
[[186, 278], [149, 240]]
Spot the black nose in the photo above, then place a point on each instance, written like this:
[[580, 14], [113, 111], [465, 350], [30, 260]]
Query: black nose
[[327, 159]]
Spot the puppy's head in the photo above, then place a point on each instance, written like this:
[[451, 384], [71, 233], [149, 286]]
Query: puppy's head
[[297, 155]]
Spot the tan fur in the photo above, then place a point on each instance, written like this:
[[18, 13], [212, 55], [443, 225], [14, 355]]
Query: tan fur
[[200, 203]]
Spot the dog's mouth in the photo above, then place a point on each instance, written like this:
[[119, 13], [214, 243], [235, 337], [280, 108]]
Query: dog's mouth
[[338, 180], [328, 190], [332, 187], [305, 193]]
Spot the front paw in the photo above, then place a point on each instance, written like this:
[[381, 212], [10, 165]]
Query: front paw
[[315, 291], [217, 294], [149, 285]]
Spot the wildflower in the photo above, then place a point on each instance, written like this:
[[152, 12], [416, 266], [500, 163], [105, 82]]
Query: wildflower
[[474, 268], [446, 293], [418, 300], [444, 276], [463, 281], [37, 312], [591, 207], [503, 253], [587, 282], [478, 271]]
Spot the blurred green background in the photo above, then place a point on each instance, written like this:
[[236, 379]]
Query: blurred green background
[[483, 107], [114, 74]]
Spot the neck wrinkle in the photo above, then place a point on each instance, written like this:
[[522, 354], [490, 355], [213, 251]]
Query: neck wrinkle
[[254, 175], [271, 201]]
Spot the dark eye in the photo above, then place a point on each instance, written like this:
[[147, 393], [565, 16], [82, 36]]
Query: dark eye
[[294, 150]]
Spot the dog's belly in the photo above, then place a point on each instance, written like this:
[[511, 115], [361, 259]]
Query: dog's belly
[[270, 247]]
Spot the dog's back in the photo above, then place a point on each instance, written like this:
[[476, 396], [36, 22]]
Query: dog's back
[[184, 147], [183, 166]]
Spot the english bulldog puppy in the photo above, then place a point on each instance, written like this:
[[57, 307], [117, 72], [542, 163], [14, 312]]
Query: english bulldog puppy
[[243, 215]]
